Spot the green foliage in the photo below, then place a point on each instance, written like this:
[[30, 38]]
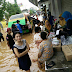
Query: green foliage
[[16, 8], [0, 2], [1, 15], [2, 9], [7, 16], [31, 11], [4, 5], [15, 1], [11, 9]]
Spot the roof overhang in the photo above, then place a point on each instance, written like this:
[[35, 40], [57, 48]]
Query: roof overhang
[[35, 2]]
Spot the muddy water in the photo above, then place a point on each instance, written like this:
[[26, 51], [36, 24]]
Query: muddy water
[[9, 63]]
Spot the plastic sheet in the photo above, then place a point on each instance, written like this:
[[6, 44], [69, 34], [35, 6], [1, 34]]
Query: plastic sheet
[[66, 41], [52, 34]]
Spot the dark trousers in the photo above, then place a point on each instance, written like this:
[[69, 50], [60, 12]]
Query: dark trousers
[[30, 30], [1, 37]]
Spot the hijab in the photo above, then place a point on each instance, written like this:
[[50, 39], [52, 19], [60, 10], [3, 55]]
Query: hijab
[[62, 22], [67, 15], [48, 26], [60, 15]]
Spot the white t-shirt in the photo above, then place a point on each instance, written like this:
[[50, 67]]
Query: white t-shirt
[[42, 28], [57, 32], [40, 18], [36, 25], [28, 22], [37, 37], [29, 25]]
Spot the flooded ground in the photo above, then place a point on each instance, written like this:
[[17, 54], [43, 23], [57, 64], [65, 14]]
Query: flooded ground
[[8, 62]]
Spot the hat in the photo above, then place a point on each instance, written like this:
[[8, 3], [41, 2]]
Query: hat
[[18, 21], [8, 29]]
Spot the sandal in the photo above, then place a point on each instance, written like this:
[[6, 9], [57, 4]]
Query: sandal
[[49, 65]]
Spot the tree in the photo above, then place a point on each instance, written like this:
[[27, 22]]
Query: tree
[[2, 9], [7, 16], [16, 8], [12, 9], [1, 15], [15, 1], [0, 2], [31, 11]]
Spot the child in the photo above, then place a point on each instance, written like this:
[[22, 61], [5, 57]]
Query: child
[[38, 24], [14, 29], [29, 27], [42, 26], [19, 26], [37, 37], [10, 41], [21, 49], [1, 36]]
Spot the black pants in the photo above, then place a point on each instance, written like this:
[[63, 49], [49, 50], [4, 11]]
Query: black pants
[[30, 30], [1, 37]]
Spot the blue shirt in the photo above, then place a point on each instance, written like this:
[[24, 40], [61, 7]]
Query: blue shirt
[[19, 27]]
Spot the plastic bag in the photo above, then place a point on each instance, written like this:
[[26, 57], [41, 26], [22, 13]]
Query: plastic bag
[[66, 41], [52, 34]]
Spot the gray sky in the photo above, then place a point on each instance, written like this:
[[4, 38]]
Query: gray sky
[[26, 4]]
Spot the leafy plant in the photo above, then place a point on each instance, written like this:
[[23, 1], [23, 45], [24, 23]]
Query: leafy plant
[[8, 9]]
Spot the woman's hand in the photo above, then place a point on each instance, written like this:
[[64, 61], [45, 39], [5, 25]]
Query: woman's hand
[[61, 29], [34, 60], [20, 54], [27, 46], [23, 53], [54, 25], [68, 29]]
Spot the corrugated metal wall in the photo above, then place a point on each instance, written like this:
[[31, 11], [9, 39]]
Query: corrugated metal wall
[[35, 2], [59, 6], [66, 5], [55, 7]]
